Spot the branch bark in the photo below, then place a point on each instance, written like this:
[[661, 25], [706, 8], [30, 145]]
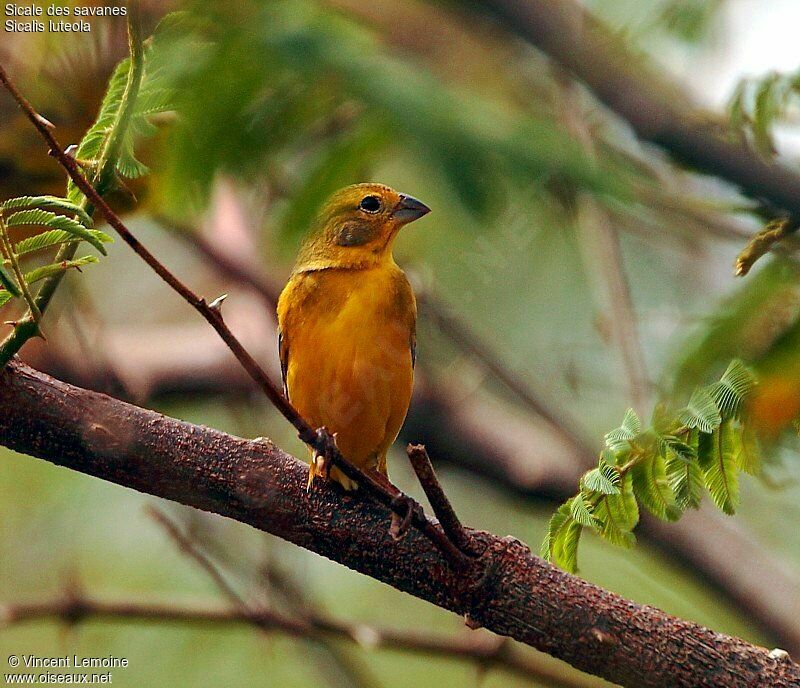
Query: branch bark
[[656, 110], [506, 589]]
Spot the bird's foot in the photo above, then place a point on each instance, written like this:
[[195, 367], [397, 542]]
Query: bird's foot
[[404, 508]]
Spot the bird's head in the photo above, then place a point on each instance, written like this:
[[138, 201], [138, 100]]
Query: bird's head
[[357, 226]]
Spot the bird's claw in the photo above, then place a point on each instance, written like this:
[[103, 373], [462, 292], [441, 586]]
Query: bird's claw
[[320, 461], [405, 505]]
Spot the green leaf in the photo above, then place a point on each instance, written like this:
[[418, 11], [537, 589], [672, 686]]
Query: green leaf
[[5, 297], [53, 238], [619, 439], [618, 515], [767, 108], [94, 139], [49, 203], [748, 454], [702, 412], [716, 454], [8, 282], [686, 481], [44, 218], [601, 479], [54, 268], [735, 384], [560, 545], [672, 446], [581, 512], [652, 489], [153, 97]]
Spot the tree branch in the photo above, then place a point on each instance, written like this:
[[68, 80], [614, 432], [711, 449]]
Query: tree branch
[[505, 588], [656, 110]]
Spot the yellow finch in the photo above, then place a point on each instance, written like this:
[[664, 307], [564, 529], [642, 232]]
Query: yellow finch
[[347, 326]]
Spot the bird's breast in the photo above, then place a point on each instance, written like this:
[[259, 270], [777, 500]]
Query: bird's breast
[[349, 362]]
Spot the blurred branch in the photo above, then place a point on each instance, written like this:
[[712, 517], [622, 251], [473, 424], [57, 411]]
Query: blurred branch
[[505, 588], [656, 110], [488, 653], [603, 260], [484, 649], [261, 618]]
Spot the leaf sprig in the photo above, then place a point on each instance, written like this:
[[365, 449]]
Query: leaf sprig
[[758, 104], [50, 228], [665, 468]]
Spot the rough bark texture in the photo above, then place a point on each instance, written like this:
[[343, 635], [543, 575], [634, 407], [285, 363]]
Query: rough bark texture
[[507, 590], [656, 111]]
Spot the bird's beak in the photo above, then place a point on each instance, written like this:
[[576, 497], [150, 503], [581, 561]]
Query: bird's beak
[[409, 209]]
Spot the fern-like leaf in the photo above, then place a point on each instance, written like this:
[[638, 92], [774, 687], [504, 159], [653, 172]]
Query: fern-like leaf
[[651, 487], [735, 384], [48, 203], [44, 218], [702, 412], [716, 454], [53, 238], [748, 454], [45, 271], [603, 479], [619, 438], [581, 511], [560, 545], [152, 98], [618, 514], [686, 481]]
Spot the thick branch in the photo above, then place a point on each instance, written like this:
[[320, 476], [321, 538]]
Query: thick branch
[[506, 589], [656, 111]]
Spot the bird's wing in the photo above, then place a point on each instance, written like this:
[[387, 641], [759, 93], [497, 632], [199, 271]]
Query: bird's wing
[[283, 353]]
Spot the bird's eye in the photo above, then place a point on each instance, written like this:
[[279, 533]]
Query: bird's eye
[[372, 204]]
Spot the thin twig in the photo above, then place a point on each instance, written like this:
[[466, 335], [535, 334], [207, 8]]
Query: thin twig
[[188, 547], [402, 505], [440, 504]]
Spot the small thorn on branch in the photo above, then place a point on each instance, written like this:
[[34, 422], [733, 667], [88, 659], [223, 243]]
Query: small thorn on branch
[[216, 304]]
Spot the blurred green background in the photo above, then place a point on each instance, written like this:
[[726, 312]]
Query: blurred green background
[[594, 268]]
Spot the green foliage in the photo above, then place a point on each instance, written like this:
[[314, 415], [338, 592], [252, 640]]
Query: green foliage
[[308, 98], [689, 20], [35, 213], [46, 271], [664, 468], [152, 97], [758, 104]]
